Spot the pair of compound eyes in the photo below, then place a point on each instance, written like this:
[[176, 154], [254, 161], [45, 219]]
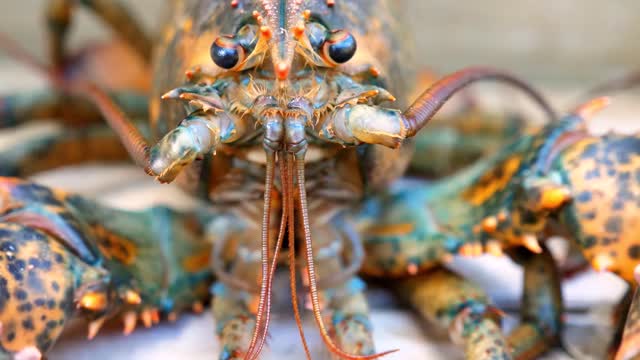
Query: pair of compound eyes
[[334, 47]]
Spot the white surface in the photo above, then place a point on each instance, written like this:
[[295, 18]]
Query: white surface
[[193, 338]]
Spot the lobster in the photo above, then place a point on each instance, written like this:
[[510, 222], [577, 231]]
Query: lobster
[[289, 108], [548, 183]]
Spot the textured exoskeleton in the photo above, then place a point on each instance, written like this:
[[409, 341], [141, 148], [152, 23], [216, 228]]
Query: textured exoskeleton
[[62, 254], [558, 181], [280, 115]]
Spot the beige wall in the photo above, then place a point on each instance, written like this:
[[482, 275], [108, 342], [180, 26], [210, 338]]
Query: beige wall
[[561, 40], [556, 41]]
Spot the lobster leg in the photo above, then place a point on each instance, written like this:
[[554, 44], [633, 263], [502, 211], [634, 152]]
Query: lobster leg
[[401, 237], [350, 319], [59, 17], [454, 303], [630, 345], [62, 147], [236, 295], [46, 104], [619, 316], [63, 256], [402, 240], [342, 295], [235, 320], [541, 308]]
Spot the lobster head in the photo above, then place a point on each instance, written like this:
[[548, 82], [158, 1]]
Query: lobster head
[[283, 76]]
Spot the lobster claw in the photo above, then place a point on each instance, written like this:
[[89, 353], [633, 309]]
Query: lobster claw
[[353, 125], [197, 136], [42, 306], [40, 289], [62, 256]]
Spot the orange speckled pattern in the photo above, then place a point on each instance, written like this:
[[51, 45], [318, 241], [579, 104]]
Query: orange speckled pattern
[[493, 181], [603, 174], [36, 287], [115, 247], [197, 262]]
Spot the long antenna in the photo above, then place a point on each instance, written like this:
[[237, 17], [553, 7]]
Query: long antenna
[[311, 271], [292, 256], [264, 241], [428, 104]]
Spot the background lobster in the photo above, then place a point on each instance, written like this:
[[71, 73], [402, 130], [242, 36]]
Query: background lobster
[[262, 63]]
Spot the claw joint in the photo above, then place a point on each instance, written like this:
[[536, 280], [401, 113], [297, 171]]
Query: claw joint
[[358, 124]]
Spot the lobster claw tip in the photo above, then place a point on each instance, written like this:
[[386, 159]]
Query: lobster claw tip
[[94, 328], [636, 273], [147, 318], [555, 197], [130, 320], [602, 262], [172, 94], [197, 307], [494, 248], [531, 242], [172, 317]]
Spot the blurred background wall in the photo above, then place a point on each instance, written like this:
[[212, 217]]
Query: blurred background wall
[[549, 41]]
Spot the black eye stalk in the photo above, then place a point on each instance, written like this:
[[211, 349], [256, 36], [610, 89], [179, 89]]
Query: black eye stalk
[[226, 52], [335, 47], [230, 52], [339, 47]]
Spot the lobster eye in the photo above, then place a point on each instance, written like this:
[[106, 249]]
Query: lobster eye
[[339, 47], [226, 52]]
